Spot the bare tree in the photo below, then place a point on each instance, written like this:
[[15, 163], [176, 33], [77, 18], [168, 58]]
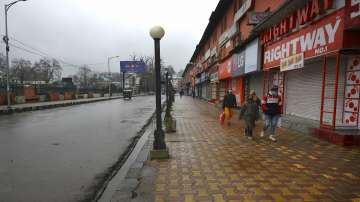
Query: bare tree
[[47, 70], [83, 75], [21, 69]]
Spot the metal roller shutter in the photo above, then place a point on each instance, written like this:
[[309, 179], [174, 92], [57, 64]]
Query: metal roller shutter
[[303, 89], [256, 83]]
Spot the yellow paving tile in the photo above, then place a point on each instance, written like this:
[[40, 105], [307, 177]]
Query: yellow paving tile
[[202, 193], [214, 186], [218, 198], [189, 198], [159, 198], [278, 197], [229, 191]]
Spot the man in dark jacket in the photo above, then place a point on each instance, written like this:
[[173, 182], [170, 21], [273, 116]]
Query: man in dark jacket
[[250, 113], [272, 108], [228, 104]]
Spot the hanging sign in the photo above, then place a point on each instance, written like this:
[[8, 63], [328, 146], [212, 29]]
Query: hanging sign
[[292, 62], [245, 7], [256, 17]]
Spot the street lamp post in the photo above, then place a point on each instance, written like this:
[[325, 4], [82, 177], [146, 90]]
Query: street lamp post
[[159, 147], [6, 40], [167, 87], [109, 73]]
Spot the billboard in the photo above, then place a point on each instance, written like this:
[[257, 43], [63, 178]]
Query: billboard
[[132, 66]]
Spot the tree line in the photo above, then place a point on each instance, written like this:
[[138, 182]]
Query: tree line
[[21, 70]]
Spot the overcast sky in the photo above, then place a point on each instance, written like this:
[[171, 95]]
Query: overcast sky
[[89, 31]]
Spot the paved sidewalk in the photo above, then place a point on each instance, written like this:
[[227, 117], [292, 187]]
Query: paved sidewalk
[[217, 163], [44, 105]]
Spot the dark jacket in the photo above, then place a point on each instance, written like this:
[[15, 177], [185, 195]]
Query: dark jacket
[[250, 110], [229, 101], [271, 105]]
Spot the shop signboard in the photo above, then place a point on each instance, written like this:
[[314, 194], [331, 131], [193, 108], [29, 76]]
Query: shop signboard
[[292, 62], [214, 77], [202, 77], [238, 64], [252, 56], [352, 13], [197, 81], [321, 37], [225, 69]]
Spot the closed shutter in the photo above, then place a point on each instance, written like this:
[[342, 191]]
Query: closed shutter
[[303, 88], [256, 83], [330, 91], [203, 90], [222, 89]]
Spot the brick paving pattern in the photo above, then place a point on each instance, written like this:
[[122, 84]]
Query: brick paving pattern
[[210, 162]]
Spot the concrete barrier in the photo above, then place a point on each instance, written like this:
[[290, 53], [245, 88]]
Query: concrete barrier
[[20, 99], [42, 98], [96, 95]]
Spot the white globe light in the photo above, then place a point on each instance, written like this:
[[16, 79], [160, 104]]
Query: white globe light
[[157, 32]]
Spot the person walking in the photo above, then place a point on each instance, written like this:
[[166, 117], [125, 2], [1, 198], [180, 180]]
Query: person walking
[[228, 104], [181, 93], [250, 113], [272, 108]]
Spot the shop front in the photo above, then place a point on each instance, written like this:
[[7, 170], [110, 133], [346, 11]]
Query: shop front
[[225, 81], [304, 55], [198, 87], [203, 82]]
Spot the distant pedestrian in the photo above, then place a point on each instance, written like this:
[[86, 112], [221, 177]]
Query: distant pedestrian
[[193, 94], [250, 113], [181, 93], [228, 104], [271, 105]]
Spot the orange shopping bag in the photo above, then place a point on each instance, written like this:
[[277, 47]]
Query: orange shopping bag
[[222, 118]]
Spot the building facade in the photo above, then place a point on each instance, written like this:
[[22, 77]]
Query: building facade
[[308, 48]]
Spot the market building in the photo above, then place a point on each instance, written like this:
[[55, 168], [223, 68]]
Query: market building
[[311, 51], [228, 55]]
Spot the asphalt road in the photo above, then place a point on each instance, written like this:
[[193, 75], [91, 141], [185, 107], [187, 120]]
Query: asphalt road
[[59, 154]]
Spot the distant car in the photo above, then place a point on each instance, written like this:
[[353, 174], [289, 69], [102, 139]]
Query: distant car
[[151, 93], [127, 94]]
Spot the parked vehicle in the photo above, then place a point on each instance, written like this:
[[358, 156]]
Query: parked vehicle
[[127, 94]]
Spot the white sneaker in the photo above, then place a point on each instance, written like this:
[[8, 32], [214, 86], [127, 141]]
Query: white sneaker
[[272, 138], [262, 134]]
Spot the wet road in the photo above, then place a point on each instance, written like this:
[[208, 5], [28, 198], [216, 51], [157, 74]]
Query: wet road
[[56, 155]]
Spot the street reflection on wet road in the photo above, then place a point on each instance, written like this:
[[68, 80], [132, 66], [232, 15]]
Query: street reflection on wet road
[[55, 155]]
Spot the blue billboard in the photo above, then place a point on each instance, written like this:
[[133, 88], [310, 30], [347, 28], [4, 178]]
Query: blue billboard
[[132, 66]]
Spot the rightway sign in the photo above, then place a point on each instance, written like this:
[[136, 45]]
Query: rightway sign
[[132, 66]]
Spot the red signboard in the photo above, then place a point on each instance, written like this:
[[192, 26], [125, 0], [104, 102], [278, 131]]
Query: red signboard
[[352, 13], [225, 69], [318, 38]]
